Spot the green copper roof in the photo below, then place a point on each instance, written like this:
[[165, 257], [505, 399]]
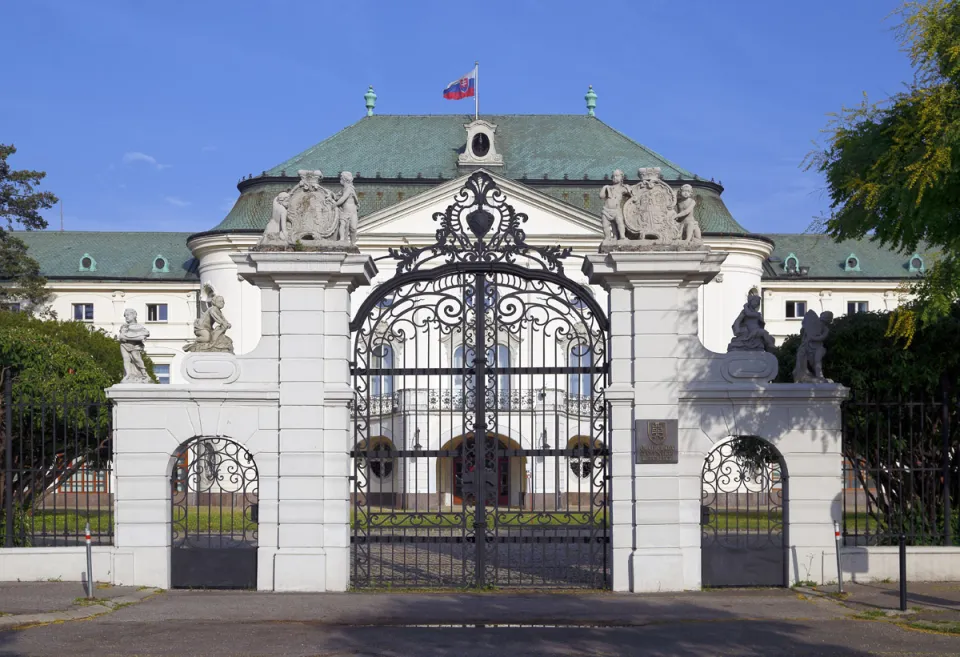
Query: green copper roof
[[116, 255], [826, 258], [534, 145]]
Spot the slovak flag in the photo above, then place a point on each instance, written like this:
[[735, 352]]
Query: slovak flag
[[462, 88]]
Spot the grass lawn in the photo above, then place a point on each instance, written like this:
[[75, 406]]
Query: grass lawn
[[67, 522], [380, 518], [759, 521], [228, 521]]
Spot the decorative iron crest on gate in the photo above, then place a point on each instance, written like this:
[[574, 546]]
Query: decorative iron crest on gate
[[495, 232], [478, 337]]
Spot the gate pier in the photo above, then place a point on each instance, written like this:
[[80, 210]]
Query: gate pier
[[286, 405], [668, 392]]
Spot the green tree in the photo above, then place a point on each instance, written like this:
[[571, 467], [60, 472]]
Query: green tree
[[61, 417], [897, 443], [20, 205], [893, 168]]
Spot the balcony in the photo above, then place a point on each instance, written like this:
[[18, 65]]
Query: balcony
[[512, 401]]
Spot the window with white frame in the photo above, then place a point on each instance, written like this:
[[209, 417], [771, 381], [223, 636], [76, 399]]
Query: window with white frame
[[83, 312], [580, 356], [857, 307], [156, 312], [162, 372], [381, 384], [796, 309]]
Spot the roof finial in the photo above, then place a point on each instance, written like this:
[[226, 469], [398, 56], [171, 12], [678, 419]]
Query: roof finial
[[591, 99], [371, 98]]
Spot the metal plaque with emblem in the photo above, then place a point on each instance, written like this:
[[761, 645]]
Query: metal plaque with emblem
[[656, 441]]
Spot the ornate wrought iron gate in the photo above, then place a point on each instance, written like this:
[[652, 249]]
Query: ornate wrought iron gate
[[214, 487], [480, 334], [744, 515]]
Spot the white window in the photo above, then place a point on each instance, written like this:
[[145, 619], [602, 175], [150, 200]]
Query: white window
[[580, 356], [796, 309], [156, 312], [857, 307], [382, 384], [83, 312], [162, 372]]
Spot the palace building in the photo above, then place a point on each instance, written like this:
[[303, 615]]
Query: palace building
[[463, 354], [408, 167]]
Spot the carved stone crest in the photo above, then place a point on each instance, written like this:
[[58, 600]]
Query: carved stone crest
[[312, 217], [650, 210], [652, 215]]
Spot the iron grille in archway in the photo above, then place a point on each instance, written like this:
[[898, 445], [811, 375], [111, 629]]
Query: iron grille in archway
[[214, 488], [480, 334], [744, 524]]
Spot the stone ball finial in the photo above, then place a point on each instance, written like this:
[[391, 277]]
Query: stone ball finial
[[371, 100], [591, 99]]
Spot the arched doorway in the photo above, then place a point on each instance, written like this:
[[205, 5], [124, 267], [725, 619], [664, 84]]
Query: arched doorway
[[480, 334], [214, 489], [743, 515], [506, 481]]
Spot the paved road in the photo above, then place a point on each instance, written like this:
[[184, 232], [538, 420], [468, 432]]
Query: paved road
[[767, 622]]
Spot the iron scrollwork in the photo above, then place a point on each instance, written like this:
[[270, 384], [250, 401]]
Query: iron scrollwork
[[455, 509]]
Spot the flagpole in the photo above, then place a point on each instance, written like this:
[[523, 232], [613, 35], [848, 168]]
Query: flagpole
[[476, 93]]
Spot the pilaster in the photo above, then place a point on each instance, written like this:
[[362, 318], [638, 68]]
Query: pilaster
[[653, 313], [306, 305]]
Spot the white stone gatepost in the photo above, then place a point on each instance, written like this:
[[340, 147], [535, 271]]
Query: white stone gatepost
[[307, 296], [285, 402], [659, 370]]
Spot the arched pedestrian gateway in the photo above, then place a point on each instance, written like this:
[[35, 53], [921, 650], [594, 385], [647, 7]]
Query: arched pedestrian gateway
[[480, 334], [214, 489], [744, 514]]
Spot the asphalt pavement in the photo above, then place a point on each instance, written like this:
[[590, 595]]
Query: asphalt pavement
[[727, 622]]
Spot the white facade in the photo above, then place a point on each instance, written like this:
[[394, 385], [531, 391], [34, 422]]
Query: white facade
[[410, 223]]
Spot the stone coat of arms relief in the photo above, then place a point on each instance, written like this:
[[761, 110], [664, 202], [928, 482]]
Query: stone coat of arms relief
[[647, 216], [311, 217]]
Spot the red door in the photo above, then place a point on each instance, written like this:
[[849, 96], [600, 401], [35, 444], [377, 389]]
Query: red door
[[503, 479]]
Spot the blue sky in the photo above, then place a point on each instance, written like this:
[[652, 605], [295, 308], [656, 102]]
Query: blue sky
[[145, 115]]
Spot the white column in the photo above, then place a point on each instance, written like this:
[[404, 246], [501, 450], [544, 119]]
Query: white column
[[653, 324], [313, 313]]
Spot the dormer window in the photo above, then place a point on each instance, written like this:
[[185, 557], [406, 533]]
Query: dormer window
[[160, 265], [852, 263], [87, 263], [481, 145], [916, 264], [791, 264]]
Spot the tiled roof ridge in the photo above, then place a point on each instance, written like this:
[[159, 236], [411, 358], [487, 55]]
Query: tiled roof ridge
[[649, 150], [303, 154]]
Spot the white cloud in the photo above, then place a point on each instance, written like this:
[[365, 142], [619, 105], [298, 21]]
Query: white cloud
[[178, 202], [136, 156]]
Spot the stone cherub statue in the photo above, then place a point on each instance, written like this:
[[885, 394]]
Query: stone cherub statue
[[211, 329], [611, 216], [132, 336], [349, 204], [310, 216], [689, 228], [748, 329], [276, 231], [813, 334]]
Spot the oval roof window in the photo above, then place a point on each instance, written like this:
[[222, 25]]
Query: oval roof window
[[480, 144]]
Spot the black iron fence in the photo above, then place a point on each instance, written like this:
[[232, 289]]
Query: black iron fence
[[900, 471], [56, 476]]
